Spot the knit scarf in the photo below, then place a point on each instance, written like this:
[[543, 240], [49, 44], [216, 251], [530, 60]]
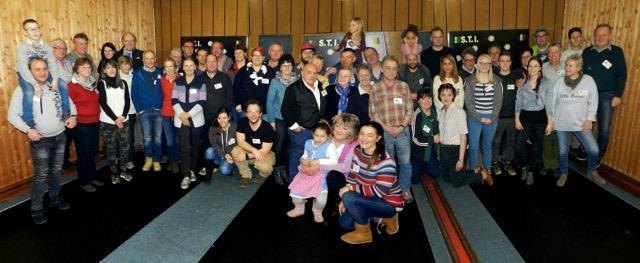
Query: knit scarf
[[90, 85], [286, 82], [572, 83], [344, 97]]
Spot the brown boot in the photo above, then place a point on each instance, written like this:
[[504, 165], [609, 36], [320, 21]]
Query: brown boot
[[362, 234], [392, 225], [486, 177]]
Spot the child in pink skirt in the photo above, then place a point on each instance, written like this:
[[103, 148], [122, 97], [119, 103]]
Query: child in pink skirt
[[318, 150]]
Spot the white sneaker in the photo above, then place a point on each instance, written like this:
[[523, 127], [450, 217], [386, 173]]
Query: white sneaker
[[185, 182], [202, 171], [193, 177]]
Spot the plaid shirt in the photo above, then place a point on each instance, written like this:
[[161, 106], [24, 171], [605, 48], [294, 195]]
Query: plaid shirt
[[391, 104]]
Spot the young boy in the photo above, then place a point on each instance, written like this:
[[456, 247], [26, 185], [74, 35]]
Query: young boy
[[35, 47]]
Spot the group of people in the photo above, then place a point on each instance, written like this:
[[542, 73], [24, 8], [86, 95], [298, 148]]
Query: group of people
[[352, 136]]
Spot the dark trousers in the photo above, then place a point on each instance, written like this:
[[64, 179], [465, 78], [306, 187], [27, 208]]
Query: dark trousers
[[47, 155], [504, 140], [85, 138], [448, 160], [431, 167], [281, 138], [189, 148], [535, 133]]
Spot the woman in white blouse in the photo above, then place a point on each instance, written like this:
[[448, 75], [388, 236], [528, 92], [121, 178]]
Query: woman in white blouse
[[449, 74]]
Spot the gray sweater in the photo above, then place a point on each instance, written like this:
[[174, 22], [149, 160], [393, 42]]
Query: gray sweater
[[45, 112], [223, 142], [570, 108], [26, 52]]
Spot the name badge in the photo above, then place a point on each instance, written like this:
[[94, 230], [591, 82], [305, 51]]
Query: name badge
[[323, 92], [231, 141], [607, 64], [426, 129], [193, 91], [355, 168], [421, 81], [36, 99], [159, 76], [561, 72], [155, 82], [488, 88], [255, 141], [582, 93], [397, 100], [217, 86], [265, 81], [511, 86]]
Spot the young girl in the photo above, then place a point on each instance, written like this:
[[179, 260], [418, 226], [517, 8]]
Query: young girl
[[318, 150], [354, 39], [410, 44], [115, 103]]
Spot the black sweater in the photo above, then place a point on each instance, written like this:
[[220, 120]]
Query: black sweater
[[219, 94]]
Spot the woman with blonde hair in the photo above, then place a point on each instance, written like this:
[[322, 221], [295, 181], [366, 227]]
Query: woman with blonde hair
[[483, 101]]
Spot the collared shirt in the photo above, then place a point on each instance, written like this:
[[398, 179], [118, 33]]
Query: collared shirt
[[600, 50], [316, 93], [391, 104], [552, 74], [452, 123], [65, 69]]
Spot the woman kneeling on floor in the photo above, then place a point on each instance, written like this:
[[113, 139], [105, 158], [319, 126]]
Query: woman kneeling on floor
[[453, 135], [372, 188]]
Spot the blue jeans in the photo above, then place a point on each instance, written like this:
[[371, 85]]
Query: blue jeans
[[605, 111], [360, 209], [171, 141], [27, 100], [86, 138], [151, 123], [296, 148], [588, 143], [212, 156], [48, 155], [400, 145], [477, 128]]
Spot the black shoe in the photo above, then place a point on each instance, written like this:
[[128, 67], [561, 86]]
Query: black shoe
[[97, 183], [581, 155], [496, 168], [39, 217], [277, 176], [60, 204]]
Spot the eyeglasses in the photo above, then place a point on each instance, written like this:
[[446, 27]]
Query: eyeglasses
[[470, 60]]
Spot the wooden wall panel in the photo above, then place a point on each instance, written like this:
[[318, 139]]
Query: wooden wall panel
[[624, 144], [101, 21], [256, 17]]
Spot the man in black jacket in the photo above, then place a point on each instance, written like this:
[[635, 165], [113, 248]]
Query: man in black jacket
[[129, 49], [303, 105]]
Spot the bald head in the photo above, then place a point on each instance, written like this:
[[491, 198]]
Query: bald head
[[310, 74]]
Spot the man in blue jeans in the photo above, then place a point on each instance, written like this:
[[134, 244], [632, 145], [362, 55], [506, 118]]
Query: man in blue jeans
[[391, 105], [47, 139], [303, 106], [146, 94], [606, 64]]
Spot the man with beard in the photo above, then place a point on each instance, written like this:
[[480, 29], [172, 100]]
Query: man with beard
[[187, 49], [255, 139], [307, 51], [416, 75]]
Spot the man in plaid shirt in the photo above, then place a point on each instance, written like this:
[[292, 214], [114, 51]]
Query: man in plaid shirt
[[390, 104]]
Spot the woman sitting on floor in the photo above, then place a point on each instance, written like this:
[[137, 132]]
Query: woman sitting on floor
[[372, 188]]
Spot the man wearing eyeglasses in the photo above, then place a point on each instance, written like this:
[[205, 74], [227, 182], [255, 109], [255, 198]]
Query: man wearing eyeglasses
[[129, 49]]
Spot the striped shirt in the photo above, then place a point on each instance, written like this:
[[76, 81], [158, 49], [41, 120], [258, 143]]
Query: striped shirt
[[380, 180], [483, 99], [392, 105]]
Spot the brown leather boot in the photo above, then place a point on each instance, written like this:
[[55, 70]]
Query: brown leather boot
[[486, 177], [362, 234], [392, 225]]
